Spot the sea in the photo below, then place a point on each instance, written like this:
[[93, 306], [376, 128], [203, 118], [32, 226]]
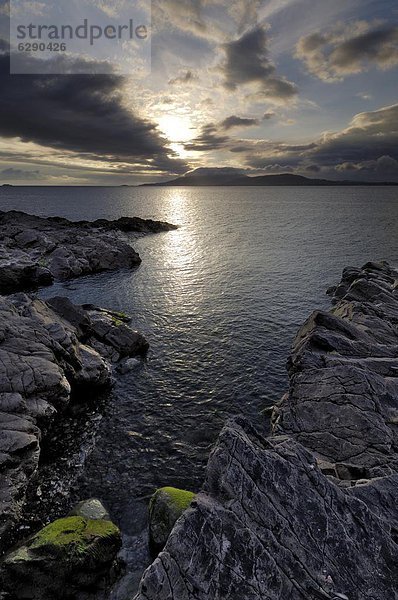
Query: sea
[[220, 301]]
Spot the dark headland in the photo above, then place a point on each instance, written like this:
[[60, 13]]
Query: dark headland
[[234, 177]]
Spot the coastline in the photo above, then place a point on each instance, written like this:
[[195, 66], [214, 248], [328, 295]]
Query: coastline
[[58, 362], [297, 466]]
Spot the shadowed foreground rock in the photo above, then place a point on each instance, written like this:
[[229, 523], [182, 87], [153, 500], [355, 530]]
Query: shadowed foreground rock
[[71, 555], [312, 511], [48, 350], [36, 251]]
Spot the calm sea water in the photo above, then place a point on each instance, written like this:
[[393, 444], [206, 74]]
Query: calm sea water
[[220, 301]]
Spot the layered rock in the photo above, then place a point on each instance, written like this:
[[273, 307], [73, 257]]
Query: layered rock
[[36, 251], [48, 350], [311, 511]]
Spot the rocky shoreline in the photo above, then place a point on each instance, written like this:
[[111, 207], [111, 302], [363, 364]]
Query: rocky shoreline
[[310, 512], [55, 358], [37, 251]]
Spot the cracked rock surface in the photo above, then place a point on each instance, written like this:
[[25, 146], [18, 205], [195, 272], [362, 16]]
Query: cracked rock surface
[[36, 251], [48, 351], [311, 511]]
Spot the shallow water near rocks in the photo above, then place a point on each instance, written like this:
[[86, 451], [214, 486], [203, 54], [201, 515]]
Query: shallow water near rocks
[[220, 301]]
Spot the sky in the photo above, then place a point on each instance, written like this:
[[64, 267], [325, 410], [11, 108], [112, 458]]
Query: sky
[[264, 86]]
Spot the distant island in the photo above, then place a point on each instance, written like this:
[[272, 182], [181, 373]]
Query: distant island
[[235, 177]]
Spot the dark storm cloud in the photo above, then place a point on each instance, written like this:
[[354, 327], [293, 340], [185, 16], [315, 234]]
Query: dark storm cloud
[[235, 121], [341, 52], [247, 61], [80, 113]]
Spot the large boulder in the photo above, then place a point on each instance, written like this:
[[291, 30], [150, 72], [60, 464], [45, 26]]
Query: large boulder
[[70, 555], [165, 508], [270, 525]]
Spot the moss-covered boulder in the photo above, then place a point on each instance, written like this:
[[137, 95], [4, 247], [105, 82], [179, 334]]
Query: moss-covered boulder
[[165, 508], [72, 554]]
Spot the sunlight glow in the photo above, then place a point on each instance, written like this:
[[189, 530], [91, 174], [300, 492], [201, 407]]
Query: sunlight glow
[[176, 128]]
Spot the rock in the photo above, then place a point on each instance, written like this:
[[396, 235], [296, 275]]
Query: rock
[[23, 276], [112, 331], [49, 351], [129, 365], [91, 509], [311, 511], [165, 508], [270, 525], [69, 555], [137, 225], [36, 251]]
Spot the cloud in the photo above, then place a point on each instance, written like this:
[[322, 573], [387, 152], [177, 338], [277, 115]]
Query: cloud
[[235, 121], [208, 140], [186, 15], [368, 146], [18, 174], [187, 78], [349, 49], [247, 62], [212, 136], [83, 114], [369, 136], [209, 19]]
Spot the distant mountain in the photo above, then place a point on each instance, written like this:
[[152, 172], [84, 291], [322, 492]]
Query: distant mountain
[[236, 177]]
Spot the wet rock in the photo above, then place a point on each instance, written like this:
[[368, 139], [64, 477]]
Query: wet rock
[[112, 331], [47, 353], [72, 554], [165, 508], [312, 510], [36, 251], [129, 365]]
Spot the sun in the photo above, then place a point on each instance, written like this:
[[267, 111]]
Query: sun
[[178, 129]]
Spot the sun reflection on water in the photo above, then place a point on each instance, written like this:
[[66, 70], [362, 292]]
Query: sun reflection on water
[[182, 251]]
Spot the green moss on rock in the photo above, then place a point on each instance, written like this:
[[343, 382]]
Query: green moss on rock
[[73, 532], [117, 322], [80, 551], [165, 508]]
